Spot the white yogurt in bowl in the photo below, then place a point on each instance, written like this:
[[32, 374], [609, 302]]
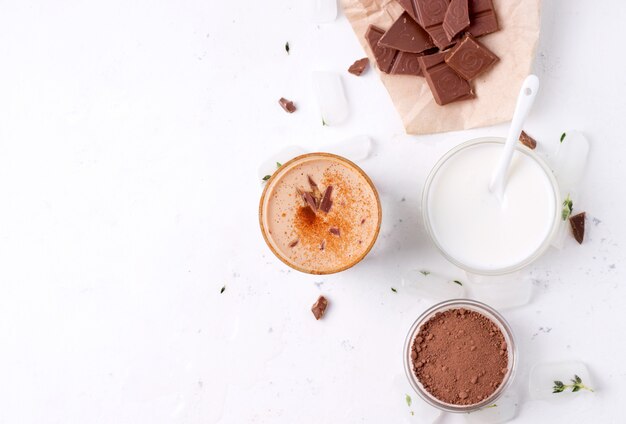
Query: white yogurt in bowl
[[472, 227]]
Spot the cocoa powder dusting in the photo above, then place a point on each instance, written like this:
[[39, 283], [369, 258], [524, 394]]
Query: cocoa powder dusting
[[460, 356]]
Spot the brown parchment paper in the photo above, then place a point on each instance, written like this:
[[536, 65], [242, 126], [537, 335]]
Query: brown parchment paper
[[496, 91]]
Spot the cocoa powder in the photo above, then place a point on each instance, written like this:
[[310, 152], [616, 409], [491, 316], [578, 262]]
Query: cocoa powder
[[460, 356]]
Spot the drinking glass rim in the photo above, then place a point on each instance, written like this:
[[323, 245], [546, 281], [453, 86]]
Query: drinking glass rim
[[523, 150], [479, 307]]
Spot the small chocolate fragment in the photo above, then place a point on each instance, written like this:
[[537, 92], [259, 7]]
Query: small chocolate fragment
[[407, 64], [287, 105], [359, 66], [319, 307], [577, 222], [482, 17], [294, 243], [527, 140], [384, 56], [445, 84], [430, 14], [326, 203], [334, 230], [457, 18], [308, 198], [469, 58], [317, 196], [323, 245], [406, 35]]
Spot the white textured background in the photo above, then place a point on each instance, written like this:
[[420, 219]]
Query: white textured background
[[130, 135]]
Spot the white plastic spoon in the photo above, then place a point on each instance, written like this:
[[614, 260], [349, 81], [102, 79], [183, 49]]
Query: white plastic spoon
[[524, 103]]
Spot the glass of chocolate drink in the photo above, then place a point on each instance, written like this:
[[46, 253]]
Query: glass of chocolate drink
[[460, 355], [320, 213]]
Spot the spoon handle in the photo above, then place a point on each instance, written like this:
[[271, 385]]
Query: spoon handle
[[524, 103]]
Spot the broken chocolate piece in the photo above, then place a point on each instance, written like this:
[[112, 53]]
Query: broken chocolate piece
[[527, 140], [482, 17], [323, 245], [457, 18], [407, 64], [359, 66], [445, 84], [430, 14], [287, 105], [469, 58], [406, 35], [293, 243], [317, 196], [319, 307], [577, 222], [326, 203], [308, 198], [334, 231], [384, 56]]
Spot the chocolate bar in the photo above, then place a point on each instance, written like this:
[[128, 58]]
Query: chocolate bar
[[407, 36], [457, 18], [383, 55], [483, 18], [446, 85], [469, 58], [430, 14], [407, 64]]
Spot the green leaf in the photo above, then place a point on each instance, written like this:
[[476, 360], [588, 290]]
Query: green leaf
[[458, 282], [267, 177], [491, 406], [562, 137], [568, 206], [424, 272], [575, 388], [577, 379], [287, 47], [222, 290], [324, 122], [394, 290], [408, 400], [278, 164]]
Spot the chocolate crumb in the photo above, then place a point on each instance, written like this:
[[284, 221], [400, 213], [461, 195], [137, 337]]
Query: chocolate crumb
[[326, 203], [359, 66], [463, 395], [287, 105], [319, 307], [323, 245], [527, 140], [363, 221], [577, 222], [334, 230], [293, 243]]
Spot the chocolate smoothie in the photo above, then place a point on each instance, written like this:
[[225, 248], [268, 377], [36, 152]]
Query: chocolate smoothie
[[460, 356], [320, 213]]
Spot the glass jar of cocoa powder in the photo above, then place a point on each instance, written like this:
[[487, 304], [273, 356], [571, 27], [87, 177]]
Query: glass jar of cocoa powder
[[460, 355]]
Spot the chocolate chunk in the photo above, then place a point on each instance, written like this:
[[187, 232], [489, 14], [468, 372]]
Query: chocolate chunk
[[430, 14], [359, 66], [323, 245], [294, 243], [384, 56], [308, 198], [406, 35], [457, 18], [469, 58], [409, 7], [445, 84], [527, 140], [319, 307], [482, 17], [334, 230], [407, 64], [315, 191], [287, 105], [326, 203], [577, 222]]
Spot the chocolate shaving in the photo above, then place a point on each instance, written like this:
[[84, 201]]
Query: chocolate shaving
[[326, 202], [334, 230], [293, 243], [359, 66], [319, 307], [317, 195], [363, 221], [527, 140], [577, 222], [287, 105], [308, 198], [323, 245]]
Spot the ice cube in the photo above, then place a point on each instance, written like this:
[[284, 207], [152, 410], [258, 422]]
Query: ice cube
[[543, 377], [501, 411], [431, 285], [570, 160], [501, 292], [355, 148], [323, 11], [417, 410], [331, 97], [271, 164]]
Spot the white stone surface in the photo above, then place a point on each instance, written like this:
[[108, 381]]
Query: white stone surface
[[130, 138]]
